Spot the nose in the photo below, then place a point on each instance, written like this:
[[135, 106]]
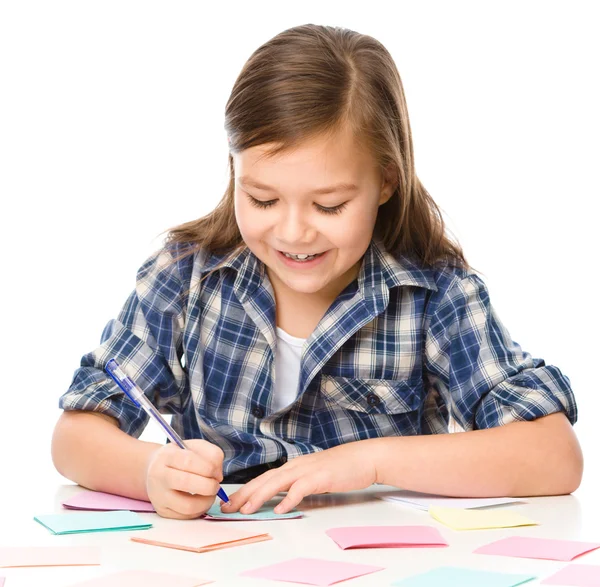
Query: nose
[[294, 228]]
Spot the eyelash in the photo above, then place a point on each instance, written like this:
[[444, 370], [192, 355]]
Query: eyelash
[[264, 205]]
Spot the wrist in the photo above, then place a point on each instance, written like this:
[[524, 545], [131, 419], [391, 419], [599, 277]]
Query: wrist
[[381, 457], [150, 450]]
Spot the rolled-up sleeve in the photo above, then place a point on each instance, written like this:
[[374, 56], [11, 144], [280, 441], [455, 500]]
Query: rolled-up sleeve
[[146, 340], [483, 377]]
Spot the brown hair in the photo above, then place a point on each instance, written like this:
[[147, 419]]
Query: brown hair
[[311, 80]]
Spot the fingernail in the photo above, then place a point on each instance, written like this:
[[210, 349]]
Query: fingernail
[[246, 508]]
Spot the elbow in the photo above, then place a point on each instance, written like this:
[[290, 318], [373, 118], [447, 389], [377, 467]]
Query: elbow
[[565, 481], [64, 441], [57, 446], [567, 465], [554, 463], [573, 470]]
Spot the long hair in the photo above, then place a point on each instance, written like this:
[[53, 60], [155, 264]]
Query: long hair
[[309, 81]]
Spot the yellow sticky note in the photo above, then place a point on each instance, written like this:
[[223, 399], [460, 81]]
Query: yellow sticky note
[[479, 519]]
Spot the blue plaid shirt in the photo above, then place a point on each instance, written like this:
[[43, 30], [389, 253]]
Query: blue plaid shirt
[[399, 350]]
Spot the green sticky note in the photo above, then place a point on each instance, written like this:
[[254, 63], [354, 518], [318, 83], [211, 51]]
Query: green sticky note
[[76, 522], [264, 513], [457, 577]]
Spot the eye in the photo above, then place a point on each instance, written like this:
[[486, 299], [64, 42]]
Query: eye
[[324, 210], [333, 210], [260, 203]]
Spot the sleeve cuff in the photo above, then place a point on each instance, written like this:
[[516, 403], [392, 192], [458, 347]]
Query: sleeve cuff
[[530, 394], [92, 391]]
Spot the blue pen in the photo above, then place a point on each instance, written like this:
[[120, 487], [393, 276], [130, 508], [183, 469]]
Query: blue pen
[[136, 395]]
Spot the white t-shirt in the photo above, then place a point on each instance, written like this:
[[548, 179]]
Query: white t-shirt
[[287, 369]]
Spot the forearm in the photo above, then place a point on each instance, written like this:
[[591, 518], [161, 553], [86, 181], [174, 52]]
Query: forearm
[[92, 451], [542, 457]]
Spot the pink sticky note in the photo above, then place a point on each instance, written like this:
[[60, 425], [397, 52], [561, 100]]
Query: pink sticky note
[[142, 579], [576, 575], [386, 536], [97, 500], [1, 581], [312, 571], [49, 556], [545, 548]]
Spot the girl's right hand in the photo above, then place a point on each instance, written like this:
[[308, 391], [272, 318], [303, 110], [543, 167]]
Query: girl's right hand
[[182, 484]]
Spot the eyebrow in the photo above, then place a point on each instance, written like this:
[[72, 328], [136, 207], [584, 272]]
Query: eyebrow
[[340, 187]]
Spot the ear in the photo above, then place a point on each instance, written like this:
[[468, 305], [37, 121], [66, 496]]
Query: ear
[[389, 183]]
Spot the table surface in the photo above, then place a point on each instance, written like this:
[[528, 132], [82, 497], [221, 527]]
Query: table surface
[[575, 517]]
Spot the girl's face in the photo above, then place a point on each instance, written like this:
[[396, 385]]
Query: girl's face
[[319, 199]]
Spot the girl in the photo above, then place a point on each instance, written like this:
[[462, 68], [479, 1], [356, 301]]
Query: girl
[[318, 330]]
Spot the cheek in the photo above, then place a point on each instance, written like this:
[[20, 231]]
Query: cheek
[[245, 216], [356, 228]]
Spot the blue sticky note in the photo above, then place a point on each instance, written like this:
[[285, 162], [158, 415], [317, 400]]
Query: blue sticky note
[[76, 522], [457, 577], [264, 513]]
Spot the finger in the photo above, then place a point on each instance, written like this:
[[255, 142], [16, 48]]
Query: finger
[[240, 497], [193, 462], [186, 506], [280, 481], [296, 493], [169, 513], [206, 449], [190, 483]]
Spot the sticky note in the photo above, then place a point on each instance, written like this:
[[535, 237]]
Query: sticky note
[[385, 536], [1, 581], [264, 513], [76, 522], [544, 548], [200, 536], [423, 501], [457, 577], [98, 500], [48, 556], [479, 519], [576, 575], [312, 571], [142, 579]]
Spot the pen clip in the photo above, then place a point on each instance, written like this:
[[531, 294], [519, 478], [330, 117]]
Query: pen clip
[[124, 383]]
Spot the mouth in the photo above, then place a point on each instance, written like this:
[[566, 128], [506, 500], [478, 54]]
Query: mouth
[[301, 256], [298, 259]]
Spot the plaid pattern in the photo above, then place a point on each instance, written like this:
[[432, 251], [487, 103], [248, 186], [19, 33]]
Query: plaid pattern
[[400, 350]]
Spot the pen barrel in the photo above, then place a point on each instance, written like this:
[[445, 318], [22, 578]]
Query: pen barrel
[[137, 396]]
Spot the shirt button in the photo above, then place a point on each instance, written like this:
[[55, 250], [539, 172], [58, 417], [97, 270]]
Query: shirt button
[[283, 460], [373, 399], [258, 412]]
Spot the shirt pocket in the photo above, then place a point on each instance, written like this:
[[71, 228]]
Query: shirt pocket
[[372, 396]]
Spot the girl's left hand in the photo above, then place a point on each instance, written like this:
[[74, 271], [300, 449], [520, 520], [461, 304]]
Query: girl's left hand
[[341, 468]]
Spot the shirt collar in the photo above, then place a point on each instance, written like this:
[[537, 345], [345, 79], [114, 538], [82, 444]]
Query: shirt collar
[[380, 265], [250, 269], [380, 270]]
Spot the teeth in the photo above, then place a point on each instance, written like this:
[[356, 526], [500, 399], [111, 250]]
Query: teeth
[[301, 257]]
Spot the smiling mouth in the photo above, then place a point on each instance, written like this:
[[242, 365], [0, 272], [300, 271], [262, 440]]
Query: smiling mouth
[[301, 256]]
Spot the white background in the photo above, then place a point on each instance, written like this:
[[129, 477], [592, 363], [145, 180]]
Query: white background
[[111, 132]]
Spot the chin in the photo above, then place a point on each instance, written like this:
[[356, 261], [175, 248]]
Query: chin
[[306, 288]]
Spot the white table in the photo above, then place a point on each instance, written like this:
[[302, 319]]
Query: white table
[[570, 517]]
